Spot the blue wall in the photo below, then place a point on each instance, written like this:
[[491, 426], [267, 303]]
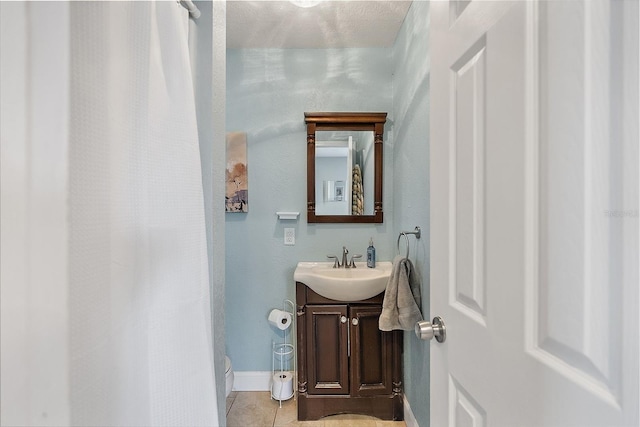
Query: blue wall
[[411, 181], [268, 91]]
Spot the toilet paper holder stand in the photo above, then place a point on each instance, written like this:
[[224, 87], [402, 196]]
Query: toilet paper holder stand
[[283, 361]]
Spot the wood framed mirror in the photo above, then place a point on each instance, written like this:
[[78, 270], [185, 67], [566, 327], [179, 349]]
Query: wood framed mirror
[[344, 167]]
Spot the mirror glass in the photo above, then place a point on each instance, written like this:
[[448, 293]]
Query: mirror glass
[[344, 167], [344, 172]]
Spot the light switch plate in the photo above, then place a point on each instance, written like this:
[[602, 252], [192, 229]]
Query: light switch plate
[[290, 236]]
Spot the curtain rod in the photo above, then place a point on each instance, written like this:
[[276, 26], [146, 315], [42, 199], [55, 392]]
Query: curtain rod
[[193, 10]]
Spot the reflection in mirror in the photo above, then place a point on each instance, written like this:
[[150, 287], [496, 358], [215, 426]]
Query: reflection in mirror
[[344, 172], [344, 167]]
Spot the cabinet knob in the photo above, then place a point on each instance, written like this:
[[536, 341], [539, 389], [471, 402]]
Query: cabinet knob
[[343, 319], [354, 321]]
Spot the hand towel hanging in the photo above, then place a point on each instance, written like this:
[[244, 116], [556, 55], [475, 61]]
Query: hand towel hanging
[[400, 308]]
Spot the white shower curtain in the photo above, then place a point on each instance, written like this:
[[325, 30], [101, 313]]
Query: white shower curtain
[[129, 332], [141, 350]]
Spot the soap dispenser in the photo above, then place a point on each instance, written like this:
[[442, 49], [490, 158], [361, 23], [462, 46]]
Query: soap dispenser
[[371, 255]]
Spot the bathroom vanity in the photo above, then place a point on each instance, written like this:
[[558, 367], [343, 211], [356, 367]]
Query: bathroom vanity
[[345, 363]]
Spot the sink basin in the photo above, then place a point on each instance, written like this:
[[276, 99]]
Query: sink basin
[[344, 284]]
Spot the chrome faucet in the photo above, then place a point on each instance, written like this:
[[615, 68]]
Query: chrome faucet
[[336, 263], [345, 262], [352, 264], [345, 252]]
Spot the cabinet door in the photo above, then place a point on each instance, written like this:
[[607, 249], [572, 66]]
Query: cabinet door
[[371, 353], [327, 349]]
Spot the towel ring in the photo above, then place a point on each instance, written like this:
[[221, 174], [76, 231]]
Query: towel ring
[[417, 232], [406, 238]]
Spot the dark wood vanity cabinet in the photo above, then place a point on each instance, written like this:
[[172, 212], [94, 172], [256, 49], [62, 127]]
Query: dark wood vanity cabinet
[[345, 363], [327, 349]]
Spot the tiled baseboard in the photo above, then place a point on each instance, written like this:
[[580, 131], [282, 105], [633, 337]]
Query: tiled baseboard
[[261, 381]]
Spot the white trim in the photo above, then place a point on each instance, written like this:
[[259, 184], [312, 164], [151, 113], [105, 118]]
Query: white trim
[[409, 418], [252, 381]]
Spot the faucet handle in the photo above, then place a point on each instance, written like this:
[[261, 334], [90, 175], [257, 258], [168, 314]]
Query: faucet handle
[[353, 264], [336, 263]]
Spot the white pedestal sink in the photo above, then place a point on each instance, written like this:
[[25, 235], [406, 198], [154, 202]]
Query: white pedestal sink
[[344, 284]]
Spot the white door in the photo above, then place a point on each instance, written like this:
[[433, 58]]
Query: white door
[[534, 213]]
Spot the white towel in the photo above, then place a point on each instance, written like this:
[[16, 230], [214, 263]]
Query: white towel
[[400, 306]]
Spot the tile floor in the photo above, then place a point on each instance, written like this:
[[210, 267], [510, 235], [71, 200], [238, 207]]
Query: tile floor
[[257, 409]]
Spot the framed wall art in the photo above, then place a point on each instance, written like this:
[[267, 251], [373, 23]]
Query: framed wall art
[[237, 186]]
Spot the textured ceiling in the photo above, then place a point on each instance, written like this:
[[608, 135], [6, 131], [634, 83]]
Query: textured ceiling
[[281, 24]]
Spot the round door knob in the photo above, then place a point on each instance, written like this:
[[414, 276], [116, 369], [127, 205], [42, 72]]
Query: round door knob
[[354, 321], [426, 330], [343, 319]]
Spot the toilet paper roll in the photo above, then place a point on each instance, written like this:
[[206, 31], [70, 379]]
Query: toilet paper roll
[[280, 319], [282, 385]]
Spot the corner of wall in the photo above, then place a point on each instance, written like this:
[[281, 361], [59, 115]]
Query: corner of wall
[[411, 176], [218, 79], [209, 71]]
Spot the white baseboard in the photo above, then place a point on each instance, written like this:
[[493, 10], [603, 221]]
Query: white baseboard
[[409, 418], [252, 381]]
